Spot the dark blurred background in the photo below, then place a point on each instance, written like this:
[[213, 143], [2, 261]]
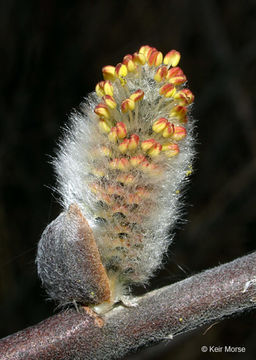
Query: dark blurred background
[[52, 53]]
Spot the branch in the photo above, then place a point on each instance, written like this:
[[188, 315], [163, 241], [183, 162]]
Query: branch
[[172, 310]]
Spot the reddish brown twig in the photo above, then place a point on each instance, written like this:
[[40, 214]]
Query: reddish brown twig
[[188, 304]]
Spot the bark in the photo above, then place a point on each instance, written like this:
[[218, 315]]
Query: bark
[[172, 310]]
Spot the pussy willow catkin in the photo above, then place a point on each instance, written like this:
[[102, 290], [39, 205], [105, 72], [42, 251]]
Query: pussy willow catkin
[[121, 165]]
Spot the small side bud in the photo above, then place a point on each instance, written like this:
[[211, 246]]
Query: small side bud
[[69, 263]]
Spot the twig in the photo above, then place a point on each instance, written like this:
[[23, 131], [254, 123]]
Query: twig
[[172, 310]]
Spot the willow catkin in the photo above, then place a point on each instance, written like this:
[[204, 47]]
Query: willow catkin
[[122, 163]]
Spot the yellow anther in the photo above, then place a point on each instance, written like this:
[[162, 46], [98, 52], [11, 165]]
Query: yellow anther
[[137, 160], [108, 88], [168, 131], [117, 132], [178, 80], [137, 95], [161, 73], [121, 70], [184, 96], [155, 150], [104, 88], [167, 90], [104, 126], [176, 76], [113, 134], [179, 112], [123, 164], [102, 111], [172, 58], [127, 105], [121, 130], [129, 63], [148, 144], [109, 101], [99, 89], [170, 149], [144, 50], [147, 51], [175, 71], [123, 147], [109, 72], [179, 133], [139, 58], [133, 142], [155, 58], [159, 125]]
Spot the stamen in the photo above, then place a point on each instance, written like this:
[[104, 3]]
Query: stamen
[[105, 125], [102, 111], [129, 63], [170, 149], [167, 90], [161, 74], [121, 70], [179, 133], [109, 72], [172, 58], [139, 58], [147, 144], [179, 112], [155, 150], [159, 125], [133, 142], [104, 88], [155, 58]]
